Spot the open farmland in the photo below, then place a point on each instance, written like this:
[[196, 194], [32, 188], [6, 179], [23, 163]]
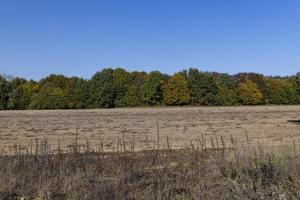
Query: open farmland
[[182, 126]]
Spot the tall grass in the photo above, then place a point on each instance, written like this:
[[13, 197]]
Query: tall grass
[[218, 170]]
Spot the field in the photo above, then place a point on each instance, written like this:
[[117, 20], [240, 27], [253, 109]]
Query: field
[[189, 153], [180, 127]]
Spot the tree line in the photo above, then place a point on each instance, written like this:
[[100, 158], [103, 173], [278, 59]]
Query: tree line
[[111, 88]]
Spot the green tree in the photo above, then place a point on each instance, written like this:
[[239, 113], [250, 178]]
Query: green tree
[[226, 94], [119, 88], [297, 81], [3, 93], [176, 91], [21, 96], [281, 92], [139, 79], [297, 84], [14, 92], [203, 87], [126, 93], [102, 89], [77, 93], [74, 89], [249, 94], [49, 97], [57, 80], [152, 90], [130, 98]]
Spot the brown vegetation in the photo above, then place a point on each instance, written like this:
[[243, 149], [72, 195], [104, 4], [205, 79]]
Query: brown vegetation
[[225, 171], [163, 153], [264, 124]]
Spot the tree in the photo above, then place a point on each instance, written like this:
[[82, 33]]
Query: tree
[[75, 90], [281, 92], [57, 80], [202, 86], [297, 83], [226, 97], [77, 93], [102, 89], [258, 79], [152, 90], [49, 97], [21, 96], [130, 98], [120, 88], [3, 93], [125, 89], [176, 91], [249, 94], [15, 100], [139, 79], [226, 94]]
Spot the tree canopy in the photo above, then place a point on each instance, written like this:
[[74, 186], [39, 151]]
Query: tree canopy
[[3, 93], [102, 89], [203, 87], [249, 93], [176, 91], [110, 88], [152, 90]]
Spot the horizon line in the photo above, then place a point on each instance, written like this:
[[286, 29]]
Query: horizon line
[[12, 76]]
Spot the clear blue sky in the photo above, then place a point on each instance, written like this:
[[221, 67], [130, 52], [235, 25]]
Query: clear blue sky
[[80, 37]]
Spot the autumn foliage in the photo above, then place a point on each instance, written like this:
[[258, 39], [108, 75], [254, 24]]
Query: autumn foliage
[[110, 88], [176, 91]]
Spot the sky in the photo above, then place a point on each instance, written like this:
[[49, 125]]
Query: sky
[[81, 37]]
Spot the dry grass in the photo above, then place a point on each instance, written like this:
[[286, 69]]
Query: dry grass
[[267, 125], [235, 172], [129, 162]]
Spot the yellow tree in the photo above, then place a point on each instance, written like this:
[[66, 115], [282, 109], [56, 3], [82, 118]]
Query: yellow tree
[[281, 92], [176, 91], [249, 93]]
